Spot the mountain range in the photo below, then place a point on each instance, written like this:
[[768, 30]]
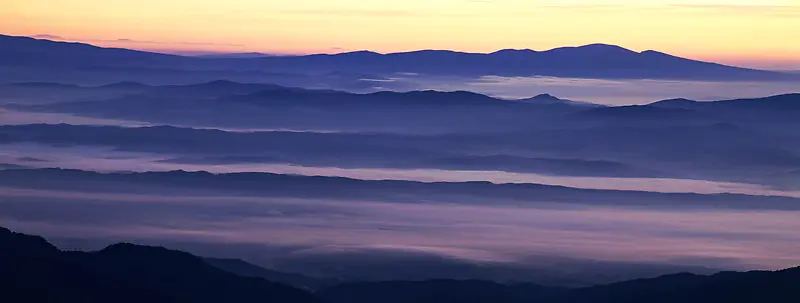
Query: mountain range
[[36, 271], [20, 56], [744, 140], [246, 105], [257, 184]]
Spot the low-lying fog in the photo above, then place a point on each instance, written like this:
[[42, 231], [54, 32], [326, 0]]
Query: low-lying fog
[[110, 160], [610, 92]]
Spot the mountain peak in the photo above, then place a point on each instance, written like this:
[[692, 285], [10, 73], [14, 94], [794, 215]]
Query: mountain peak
[[360, 53], [545, 97], [22, 242], [599, 46], [603, 45], [514, 51], [677, 102]]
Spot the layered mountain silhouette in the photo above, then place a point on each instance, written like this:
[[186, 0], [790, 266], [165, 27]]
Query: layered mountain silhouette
[[269, 95], [589, 61], [340, 188], [248, 105], [746, 140], [244, 105], [36, 271]]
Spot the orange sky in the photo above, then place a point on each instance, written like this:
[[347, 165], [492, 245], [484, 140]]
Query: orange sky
[[754, 33]]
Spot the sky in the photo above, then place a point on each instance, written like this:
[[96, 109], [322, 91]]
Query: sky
[[744, 32]]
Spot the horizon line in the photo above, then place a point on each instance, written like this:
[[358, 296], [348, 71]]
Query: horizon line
[[200, 53]]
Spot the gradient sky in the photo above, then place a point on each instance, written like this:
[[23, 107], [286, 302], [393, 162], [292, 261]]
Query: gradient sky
[[747, 32]]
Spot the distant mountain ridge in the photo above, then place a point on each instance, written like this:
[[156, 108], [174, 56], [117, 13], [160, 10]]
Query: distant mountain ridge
[[323, 187], [777, 102], [263, 90], [589, 61]]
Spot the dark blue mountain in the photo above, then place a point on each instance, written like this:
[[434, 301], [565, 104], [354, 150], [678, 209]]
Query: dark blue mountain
[[787, 102], [725, 287], [776, 114], [29, 51], [589, 61], [339, 188]]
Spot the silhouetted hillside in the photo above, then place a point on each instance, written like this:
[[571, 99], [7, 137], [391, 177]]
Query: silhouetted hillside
[[15, 51], [726, 287], [35, 271]]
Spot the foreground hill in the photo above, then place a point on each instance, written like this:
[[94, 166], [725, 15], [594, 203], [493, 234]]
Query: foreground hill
[[36, 271], [725, 287], [33, 270]]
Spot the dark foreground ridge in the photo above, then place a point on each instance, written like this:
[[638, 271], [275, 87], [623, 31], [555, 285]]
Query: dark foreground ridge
[[33, 270]]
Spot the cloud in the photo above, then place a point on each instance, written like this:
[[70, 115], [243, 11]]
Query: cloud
[[126, 40], [331, 227], [772, 10], [47, 36], [133, 41], [352, 12]]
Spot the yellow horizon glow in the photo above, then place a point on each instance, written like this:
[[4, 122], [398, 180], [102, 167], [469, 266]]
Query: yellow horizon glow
[[719, 30]]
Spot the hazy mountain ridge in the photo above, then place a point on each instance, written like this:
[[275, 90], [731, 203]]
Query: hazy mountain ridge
[[247, 105], [259, 91], [719, 151], [280, 185], [581, 62], [777, 103], [239, 105]]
